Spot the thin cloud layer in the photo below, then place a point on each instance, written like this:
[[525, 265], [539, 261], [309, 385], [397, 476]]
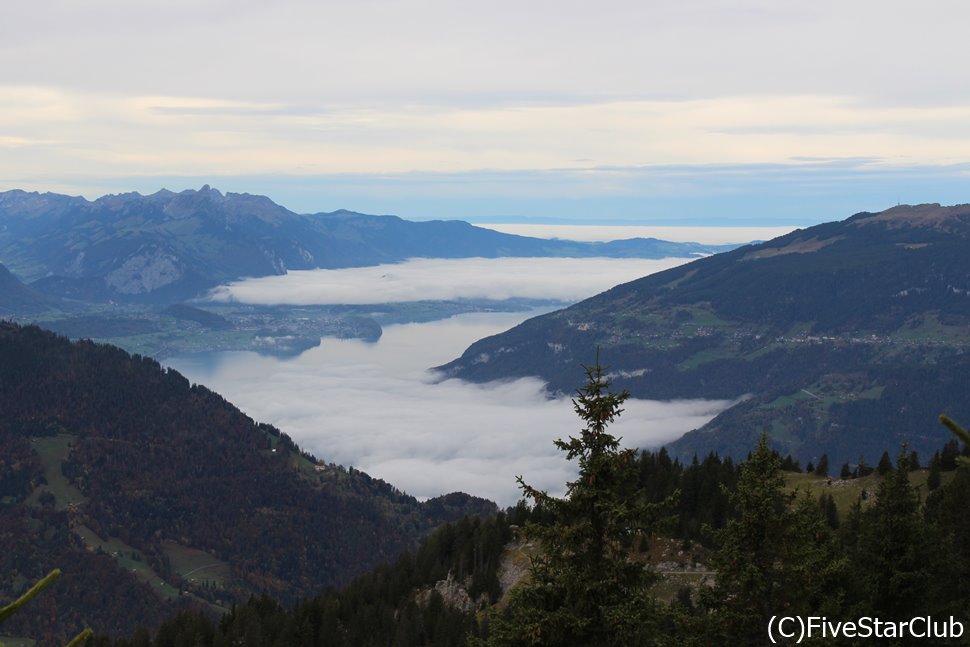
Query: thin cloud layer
[[564, 279], [349, 101], [50, 131], [604, 233], [374, 406]]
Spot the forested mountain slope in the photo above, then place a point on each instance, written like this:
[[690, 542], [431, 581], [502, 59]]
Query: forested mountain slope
[[17, 297], [181, 497], [735, 543], [851, 336]]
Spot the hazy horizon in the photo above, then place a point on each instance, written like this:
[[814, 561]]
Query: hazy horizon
[[654, 113]]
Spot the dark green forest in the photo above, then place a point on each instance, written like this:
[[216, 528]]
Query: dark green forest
[[112, 464], [891, 556], [895, 553], [314, 554]]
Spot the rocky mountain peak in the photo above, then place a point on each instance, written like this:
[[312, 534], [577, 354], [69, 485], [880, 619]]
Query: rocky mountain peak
[[209, 193]]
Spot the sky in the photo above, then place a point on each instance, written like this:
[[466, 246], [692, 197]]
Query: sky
[[702, 112]]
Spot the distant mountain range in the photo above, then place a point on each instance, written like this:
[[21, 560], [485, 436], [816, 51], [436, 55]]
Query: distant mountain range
[[848, 337], [152, 493], [168, 247]]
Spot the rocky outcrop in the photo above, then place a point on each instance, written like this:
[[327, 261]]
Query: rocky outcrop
[[513, 568], [144, 272], [454, 594]]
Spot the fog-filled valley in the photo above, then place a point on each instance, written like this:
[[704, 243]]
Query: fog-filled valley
[[373, 406], [436, 279], [376, 406]]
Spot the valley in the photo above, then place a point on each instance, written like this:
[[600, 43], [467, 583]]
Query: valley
[[282, 330], [375, 406]]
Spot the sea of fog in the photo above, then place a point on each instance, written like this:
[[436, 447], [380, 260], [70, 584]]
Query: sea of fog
[[704, 235], [375, 406], [439, 279]]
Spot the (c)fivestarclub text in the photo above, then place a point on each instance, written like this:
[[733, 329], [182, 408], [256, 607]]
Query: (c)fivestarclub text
[[799, 628]]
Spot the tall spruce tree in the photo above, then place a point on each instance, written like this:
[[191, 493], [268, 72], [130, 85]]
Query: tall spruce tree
[[822, 469], [776, 554], [895, 554], [885, 465], [586, 586], [946, 511]]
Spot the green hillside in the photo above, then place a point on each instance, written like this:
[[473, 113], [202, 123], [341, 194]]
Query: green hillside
[[846, 337], [156, 492]]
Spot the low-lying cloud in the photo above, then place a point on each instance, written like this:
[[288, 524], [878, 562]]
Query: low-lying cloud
[[374, 406], [563, 279], [605, 233]]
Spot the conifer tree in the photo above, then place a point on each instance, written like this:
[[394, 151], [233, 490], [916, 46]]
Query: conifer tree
[[914, 463], [861, 469], [586, 587], [894, 554], [946, 510], [789, 464], [822, 469], [775, 554], [828, 508], [948, 456], [934, 478], [885, 465], [960, 433]]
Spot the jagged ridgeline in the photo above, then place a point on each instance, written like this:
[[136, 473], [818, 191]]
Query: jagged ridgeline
[[851, 337], [150, 493], [168, 247]]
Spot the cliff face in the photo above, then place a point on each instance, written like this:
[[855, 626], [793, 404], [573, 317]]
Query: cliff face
[[162, 247]]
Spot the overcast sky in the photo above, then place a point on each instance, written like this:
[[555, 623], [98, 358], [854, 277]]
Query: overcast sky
[[702, 111]]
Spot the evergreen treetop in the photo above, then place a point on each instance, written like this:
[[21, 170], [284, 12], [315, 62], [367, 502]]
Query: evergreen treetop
[[587, 587]]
